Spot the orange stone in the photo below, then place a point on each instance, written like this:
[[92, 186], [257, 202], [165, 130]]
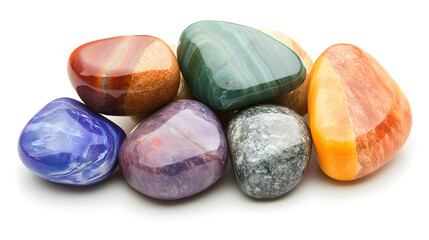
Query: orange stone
[[128, 75], [359, 117]]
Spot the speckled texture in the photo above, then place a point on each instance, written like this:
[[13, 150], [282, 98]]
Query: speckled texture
[[177, 152], [270, 149], [67, 143]]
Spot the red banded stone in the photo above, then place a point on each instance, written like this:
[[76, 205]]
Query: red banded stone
[[128, 75]]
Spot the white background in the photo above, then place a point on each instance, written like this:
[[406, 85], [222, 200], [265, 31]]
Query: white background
[[37, 38]]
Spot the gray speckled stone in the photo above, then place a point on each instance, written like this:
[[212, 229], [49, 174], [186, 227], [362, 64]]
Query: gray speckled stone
[[270, 149]]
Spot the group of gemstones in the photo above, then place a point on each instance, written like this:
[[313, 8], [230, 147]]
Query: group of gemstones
[[242, 95]]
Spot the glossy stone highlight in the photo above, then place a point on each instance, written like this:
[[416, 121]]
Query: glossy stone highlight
[[128, 75], [67, 143], [359, 117], [296, 99], [270, 148], [177, 152], [229, 66]]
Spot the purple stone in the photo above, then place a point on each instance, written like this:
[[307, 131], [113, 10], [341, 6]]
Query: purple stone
[[177, 152]]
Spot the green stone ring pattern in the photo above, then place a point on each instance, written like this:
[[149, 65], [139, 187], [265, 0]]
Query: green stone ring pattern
[[230, 66]]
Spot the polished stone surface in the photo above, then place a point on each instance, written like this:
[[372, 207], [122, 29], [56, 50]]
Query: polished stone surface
[[177, 152], [297, 99], [229, 66], [67, 143], [270, 148], [128, 75], [359, 117]]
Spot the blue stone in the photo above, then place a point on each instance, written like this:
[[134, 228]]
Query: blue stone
[[68, 143]]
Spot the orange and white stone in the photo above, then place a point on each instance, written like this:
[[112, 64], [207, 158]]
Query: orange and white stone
[[359, 117], [126, 75], [297, 99]]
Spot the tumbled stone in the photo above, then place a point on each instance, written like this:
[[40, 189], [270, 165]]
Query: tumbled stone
[[67, 143], [297, 99], [270, 147], [229, 66], [128, 75], [359, 117], [176, 152]]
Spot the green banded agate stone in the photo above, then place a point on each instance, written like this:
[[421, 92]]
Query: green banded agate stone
[[230, 66]]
